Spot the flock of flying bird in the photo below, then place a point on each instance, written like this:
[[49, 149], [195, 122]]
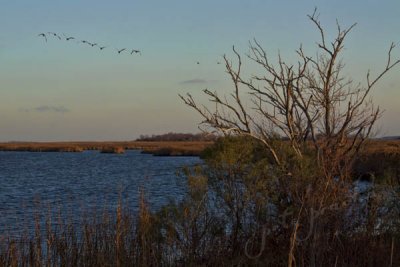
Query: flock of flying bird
[[69, 38]]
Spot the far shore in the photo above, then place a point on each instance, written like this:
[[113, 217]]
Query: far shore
[[158, 148], [161, 148]]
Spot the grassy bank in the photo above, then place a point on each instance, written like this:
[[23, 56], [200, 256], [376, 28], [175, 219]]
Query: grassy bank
[[377, 148], [162, 148]]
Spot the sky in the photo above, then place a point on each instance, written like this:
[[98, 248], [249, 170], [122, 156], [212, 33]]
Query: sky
[[68, 91]]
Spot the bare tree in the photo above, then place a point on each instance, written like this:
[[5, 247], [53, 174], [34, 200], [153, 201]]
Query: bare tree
[[315, 110], [310, 103]]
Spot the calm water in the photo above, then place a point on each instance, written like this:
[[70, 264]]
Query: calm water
[[77, 182]]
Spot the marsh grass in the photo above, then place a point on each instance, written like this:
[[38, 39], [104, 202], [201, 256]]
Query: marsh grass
[[109, 239], [187, 234], [160, 147]]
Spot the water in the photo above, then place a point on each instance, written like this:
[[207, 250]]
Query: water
[[77, 182]]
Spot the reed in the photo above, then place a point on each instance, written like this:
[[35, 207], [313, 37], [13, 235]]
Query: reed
[[188, 234]]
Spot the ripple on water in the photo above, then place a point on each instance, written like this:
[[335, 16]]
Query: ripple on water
[[78, 182]]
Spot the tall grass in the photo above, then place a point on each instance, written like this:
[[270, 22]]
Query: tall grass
[[112, 239], [191, 233]]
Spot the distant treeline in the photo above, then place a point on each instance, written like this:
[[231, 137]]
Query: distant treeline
[[178, 137]]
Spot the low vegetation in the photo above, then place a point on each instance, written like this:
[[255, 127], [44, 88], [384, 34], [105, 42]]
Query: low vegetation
[[113, 150], [165, 148], [178, 137]]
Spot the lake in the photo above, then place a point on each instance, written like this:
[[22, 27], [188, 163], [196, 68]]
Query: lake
[[75, 183]]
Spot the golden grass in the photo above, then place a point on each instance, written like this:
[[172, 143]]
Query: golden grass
[[153, 147], [383, 146], [113, 149], [165, 148], [379, 160]]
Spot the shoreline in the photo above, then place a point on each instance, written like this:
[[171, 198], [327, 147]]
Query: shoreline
[[157, 148], [161, 148]]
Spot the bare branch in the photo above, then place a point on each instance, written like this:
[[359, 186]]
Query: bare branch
[[310, 101]]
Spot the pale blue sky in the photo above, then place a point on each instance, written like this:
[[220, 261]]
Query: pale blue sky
[[59, 90]]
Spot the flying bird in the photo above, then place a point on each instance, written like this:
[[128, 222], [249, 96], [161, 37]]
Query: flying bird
[[44, 36], [198, 63], [85, 42], [119, 51], [54, 34], [135, 51], [92, 44], [102, 47], [68, 38]]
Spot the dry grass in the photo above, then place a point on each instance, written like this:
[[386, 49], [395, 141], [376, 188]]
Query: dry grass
[[380, 160], [113, 149], [180, 237], [381, 148], [181, 148]]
